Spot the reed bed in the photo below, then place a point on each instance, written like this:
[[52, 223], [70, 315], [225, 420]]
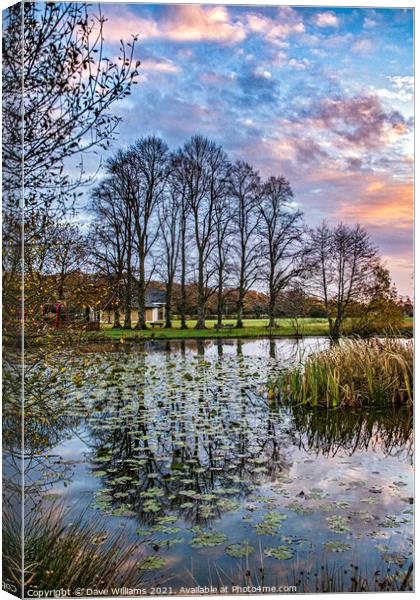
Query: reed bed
[[351, 373], [69, 555]]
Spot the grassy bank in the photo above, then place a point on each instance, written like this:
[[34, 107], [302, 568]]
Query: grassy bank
[[353, 373], [252, 328]]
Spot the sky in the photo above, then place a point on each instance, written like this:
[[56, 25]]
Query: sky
[[323, 96]]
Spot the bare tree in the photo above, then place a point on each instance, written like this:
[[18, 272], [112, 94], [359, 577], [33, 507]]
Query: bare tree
[[170, 221], [65, 255], [204, 170], [281, 232], [295, 304], [69, 85], [223, 247], [141, 174], [343, 264], [244, 191], [183, 252], [111, 235], [178, 181]]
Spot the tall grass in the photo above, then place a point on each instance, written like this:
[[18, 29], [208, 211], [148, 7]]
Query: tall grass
[[69, 555], [352, 373]]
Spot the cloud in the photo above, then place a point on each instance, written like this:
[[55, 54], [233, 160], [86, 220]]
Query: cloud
[[362, 46], [159, 64], [276, 30], [388, 205], [219, 79], [400, 96], [261, 72], [196, 23], [374, 186], [402, 82], [298, 64], [326, 19], [362, 121], [182, 23], [369, 23], [403, 89]]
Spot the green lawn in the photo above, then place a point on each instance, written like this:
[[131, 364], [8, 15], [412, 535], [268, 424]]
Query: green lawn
[[252, 328]]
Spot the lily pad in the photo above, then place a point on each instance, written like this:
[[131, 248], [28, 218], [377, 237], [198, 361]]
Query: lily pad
[[204, 539], [338, 524], [151, 563], [279, 552], [239, 550], [336, 546]]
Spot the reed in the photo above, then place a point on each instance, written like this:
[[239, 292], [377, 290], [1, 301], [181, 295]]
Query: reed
[[351, 373], [73, 555]]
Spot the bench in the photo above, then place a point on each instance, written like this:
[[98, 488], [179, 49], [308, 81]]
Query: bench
[[229, 326], [156, 324]]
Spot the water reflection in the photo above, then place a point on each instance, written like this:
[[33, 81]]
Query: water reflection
[[179, 437], [193, 438], [347, 431]]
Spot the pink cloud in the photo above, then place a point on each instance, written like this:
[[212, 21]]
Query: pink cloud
[[326, 19], [159, 64], [195, 22], [181, 23], [383, 203], [276, 30]]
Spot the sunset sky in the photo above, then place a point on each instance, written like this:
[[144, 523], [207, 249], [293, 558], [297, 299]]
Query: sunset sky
[[323, 96]]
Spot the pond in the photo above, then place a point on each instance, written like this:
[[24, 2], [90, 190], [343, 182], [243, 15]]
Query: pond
[[177, 445]]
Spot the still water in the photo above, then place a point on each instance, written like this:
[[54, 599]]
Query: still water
[[177, 445]]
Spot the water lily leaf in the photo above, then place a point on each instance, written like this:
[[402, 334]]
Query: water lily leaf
[[239, 549], [151, 562], [336, 546], [279, 552], [208, 538], [298, 508], [338, 524]]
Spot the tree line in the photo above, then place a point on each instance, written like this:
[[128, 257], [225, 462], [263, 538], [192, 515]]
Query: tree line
[[189, 218], [194, 216]]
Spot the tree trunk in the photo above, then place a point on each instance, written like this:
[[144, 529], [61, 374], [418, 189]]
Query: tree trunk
[[201, 317], [220, 298], [240, 309], [201, 311], [182, 310], [117, 324], [168, 309], [330, 326], [141, 296], [127, 304], [335, 331], [272, 303]]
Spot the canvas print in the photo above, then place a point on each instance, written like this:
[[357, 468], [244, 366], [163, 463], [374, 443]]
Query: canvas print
[[207, 299]]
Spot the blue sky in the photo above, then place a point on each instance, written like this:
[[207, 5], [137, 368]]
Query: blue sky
[[323, 96]]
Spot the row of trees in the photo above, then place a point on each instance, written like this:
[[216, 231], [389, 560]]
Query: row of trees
[[193, 216], [189, 218]]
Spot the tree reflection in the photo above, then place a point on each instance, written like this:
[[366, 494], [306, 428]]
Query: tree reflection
[[331, 431], [171, 450]]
